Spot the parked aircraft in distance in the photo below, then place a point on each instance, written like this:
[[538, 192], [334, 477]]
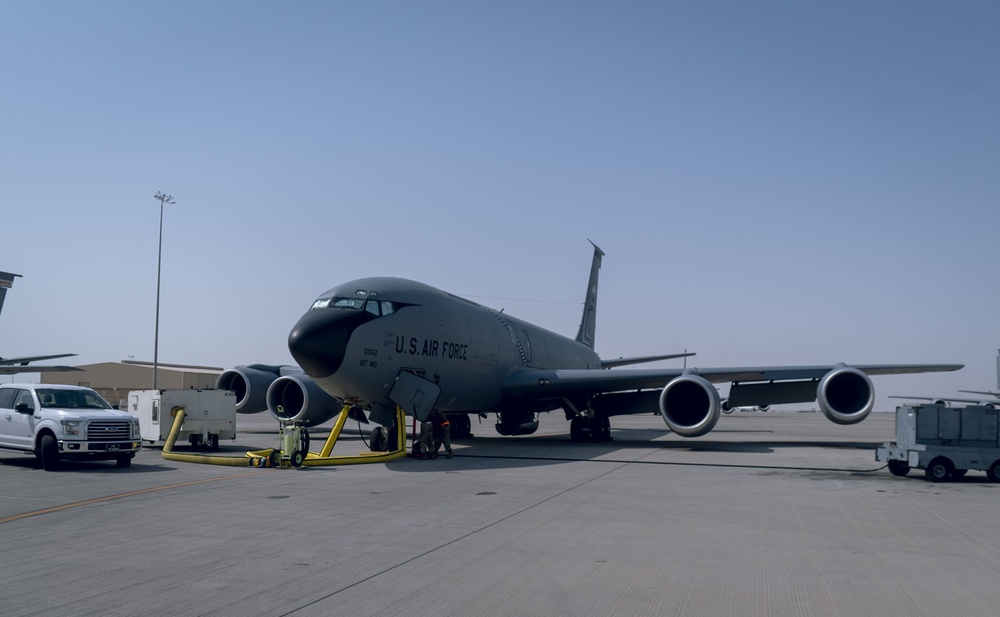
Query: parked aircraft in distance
[[380, 342], [10, 366]]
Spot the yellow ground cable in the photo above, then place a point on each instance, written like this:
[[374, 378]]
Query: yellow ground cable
[[318, 460], [251, 459]]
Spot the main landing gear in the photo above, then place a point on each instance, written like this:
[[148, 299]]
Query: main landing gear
[[594, 428]]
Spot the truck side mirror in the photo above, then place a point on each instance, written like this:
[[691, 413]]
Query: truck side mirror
[[23, 408]]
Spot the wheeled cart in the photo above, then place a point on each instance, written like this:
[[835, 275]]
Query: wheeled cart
[[210, 415], [944, 441]]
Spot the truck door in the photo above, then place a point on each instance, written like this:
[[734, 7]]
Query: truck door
[[6, 415], [22, 424]]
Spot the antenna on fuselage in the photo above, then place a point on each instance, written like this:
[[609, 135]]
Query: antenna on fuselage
[[588, 324]]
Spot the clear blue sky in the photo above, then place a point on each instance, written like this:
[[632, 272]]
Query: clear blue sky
[[772, 182]]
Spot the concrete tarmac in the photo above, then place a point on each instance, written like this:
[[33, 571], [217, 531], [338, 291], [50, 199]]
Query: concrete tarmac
[[771, 514]]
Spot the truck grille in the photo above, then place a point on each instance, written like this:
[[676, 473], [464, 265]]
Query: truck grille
[[108, 431]]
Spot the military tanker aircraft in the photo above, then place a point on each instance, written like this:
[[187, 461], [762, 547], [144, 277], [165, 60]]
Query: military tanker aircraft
[[380, 342]]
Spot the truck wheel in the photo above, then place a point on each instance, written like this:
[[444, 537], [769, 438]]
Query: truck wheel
[[939, 470], [49, 453], [898, 468], [123, 461], [993, 473]]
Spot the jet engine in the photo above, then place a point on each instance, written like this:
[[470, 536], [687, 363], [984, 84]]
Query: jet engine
[[845, 395], [250, 384], [297, 398], [516, 423], [690, 405]]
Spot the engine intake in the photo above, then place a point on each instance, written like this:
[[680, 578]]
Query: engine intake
[[297, 398], [845, 395], [690, 405], [250, 384]]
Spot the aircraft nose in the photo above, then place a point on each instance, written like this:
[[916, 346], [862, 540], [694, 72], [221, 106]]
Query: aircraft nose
[[318, 341]]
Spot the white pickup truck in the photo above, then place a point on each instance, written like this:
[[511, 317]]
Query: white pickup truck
[[65, 422]]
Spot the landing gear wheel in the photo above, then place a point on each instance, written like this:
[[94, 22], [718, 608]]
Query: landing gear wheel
[[391, 440], [123, 461], [378, 439], [49, 453], [461, 425], [600, 429], [577, 429], [898, 468], [939, 470]]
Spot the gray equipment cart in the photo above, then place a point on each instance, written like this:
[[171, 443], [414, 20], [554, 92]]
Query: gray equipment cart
[[944, 441]]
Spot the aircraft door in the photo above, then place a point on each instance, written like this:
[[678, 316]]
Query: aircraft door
[[414, 394]]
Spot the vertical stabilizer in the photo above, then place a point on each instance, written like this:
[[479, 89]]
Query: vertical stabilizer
[[6, 282], [589, 322]]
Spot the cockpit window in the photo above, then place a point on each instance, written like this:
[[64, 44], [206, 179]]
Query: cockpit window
[[350, 303], [378, 308]]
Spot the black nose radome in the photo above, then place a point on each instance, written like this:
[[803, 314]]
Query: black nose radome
[[318, 341]]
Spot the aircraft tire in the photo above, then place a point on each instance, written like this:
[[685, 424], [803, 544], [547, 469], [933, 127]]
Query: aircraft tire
[[461, 425], [378, 439], [898, 468], [577, 430], [600, 429], [939, 470]]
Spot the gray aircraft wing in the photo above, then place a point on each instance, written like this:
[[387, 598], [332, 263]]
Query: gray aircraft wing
[[27, 359], [13, 370], [642, 359], [537, 383]]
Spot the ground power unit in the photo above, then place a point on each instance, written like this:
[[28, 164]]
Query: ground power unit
[[210, 415]]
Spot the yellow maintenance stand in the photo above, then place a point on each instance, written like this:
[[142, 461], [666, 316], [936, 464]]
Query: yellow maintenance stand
[[291, 452]]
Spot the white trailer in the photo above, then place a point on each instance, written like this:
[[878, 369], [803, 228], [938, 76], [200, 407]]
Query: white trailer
[[210, 415], [944, 441]]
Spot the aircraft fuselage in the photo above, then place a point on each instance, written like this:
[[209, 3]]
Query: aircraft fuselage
[[358, 336]]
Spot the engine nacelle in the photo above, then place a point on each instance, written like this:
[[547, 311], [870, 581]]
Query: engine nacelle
[[297, 398], [690, 405], [845, 395], [516, 423], [250, 384]]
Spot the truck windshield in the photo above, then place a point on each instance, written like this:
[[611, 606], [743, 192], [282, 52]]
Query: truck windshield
[[71, 399]]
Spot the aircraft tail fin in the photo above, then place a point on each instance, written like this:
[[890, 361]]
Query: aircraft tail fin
[[588, 324], [6, 281]]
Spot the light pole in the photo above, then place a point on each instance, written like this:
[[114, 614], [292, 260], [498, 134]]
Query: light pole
[[163, 198]]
